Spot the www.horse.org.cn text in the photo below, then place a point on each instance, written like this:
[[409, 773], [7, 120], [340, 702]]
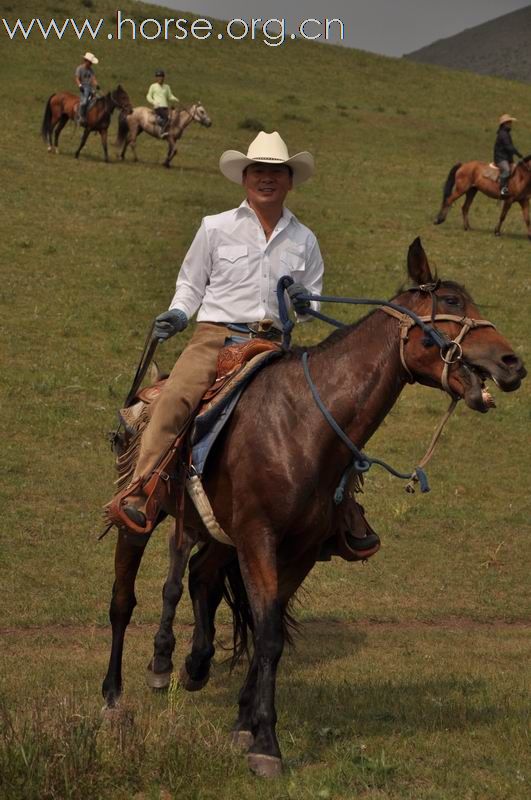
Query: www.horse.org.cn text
[[272, 32]]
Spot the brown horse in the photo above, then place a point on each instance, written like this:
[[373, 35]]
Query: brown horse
[[271, 486], [145, 119], [64, 106], [474, 176]]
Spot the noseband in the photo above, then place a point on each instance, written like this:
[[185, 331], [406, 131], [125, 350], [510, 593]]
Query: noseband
[[450, 350]]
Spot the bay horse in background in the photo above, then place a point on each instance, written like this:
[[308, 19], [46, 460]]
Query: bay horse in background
[[278, 516], [145, 119], [64, 106], [473, 176]]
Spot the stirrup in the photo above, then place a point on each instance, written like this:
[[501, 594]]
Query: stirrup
[[114, 511], [156, 488]]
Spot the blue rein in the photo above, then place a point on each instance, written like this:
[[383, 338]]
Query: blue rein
[[361, 462]]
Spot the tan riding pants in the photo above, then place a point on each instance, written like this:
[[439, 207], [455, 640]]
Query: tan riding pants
[[193, 373]]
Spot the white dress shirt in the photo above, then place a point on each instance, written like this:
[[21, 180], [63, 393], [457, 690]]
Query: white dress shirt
[[231, 271]]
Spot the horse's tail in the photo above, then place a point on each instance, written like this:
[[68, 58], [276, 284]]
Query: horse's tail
[[123, 130], [46, 127], [235, 595], [450, 180]]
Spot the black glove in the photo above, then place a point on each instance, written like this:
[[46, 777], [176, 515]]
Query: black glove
[[299, 304], [169, 323]]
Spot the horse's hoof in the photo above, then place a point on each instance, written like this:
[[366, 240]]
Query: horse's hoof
[[497, 233], [242, 740], [438, 221], [157, 680], [188, 683], [264, 766]]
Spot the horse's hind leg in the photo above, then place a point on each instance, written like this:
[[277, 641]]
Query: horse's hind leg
[[525, 212], [60, 125], [466, 206], [160, 667], [206, 583], [445, 208], [128, 556], [506, 206]]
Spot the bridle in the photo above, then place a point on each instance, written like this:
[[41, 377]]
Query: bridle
[[451, 351]]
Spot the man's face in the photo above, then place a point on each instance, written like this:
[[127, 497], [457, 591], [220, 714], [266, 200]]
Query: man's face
[[160, 79], [267, 184]]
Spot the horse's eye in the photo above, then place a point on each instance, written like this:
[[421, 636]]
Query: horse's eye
[[452, 300]]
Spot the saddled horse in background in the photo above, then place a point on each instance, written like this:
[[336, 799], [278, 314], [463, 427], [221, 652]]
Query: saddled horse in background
[[145, 119], [278, 516], [474, 176], [64, 106]]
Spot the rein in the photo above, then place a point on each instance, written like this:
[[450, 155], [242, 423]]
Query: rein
[[451, 352]]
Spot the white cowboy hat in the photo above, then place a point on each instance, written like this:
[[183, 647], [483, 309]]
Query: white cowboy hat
[[91, 57], [506, 118], [268, 148]]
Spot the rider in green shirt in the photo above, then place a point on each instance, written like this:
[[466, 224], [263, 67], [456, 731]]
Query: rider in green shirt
[[160, 96]]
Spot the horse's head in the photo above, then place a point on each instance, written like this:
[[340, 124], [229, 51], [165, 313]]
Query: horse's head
[[121, 100], [200, 115], [474, 350]]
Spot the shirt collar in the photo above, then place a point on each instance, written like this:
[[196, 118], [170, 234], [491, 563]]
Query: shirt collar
[[284, 220]]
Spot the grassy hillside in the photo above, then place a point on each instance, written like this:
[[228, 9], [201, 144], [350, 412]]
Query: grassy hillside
[[89, 255]]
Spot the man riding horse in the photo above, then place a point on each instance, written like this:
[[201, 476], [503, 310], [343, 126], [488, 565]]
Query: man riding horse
[[504, 151], [230, 274], [87, 83], [160, 96]]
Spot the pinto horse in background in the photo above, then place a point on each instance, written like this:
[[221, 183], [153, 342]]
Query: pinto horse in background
[[473, 176], [271, 487], [63, 106]]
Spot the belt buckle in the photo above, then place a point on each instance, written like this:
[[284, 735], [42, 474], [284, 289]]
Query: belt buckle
[[263, 326]]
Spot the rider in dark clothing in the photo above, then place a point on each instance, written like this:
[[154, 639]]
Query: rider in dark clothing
[[504, 151]]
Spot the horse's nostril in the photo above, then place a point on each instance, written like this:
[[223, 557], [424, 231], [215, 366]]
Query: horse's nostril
[[511, 360]]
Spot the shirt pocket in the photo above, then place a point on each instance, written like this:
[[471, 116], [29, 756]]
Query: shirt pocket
[[293, 259], [233, 262]]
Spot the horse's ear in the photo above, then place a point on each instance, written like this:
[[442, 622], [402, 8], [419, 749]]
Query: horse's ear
[[417, 263]]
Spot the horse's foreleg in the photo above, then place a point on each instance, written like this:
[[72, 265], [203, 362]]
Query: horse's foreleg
[[172, 149], [127, 560], [103, 135], [470, 195], [161, 666], [259, 573], [82, 143], [525, 213], [206, 591], [506, 206]]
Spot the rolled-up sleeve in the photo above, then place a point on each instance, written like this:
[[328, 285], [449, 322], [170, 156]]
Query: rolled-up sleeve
[[313, 277], [194, 274]]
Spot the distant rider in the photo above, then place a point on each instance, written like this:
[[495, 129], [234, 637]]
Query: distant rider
[[87, 83], [160, 96], [504, 151]]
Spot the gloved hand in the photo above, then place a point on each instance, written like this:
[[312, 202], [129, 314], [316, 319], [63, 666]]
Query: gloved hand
[[296, 289], [169, 323]]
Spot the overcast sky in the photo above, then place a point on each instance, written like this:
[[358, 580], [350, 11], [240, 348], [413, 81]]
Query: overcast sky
[[392, 27]]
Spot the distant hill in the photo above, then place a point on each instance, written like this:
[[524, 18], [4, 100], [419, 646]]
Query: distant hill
[[500, 47]]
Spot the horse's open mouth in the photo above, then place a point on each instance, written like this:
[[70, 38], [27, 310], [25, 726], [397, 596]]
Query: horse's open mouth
[[471, 379], [474, 389]]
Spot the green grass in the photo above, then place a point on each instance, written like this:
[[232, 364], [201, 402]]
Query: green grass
[[89, 255]]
